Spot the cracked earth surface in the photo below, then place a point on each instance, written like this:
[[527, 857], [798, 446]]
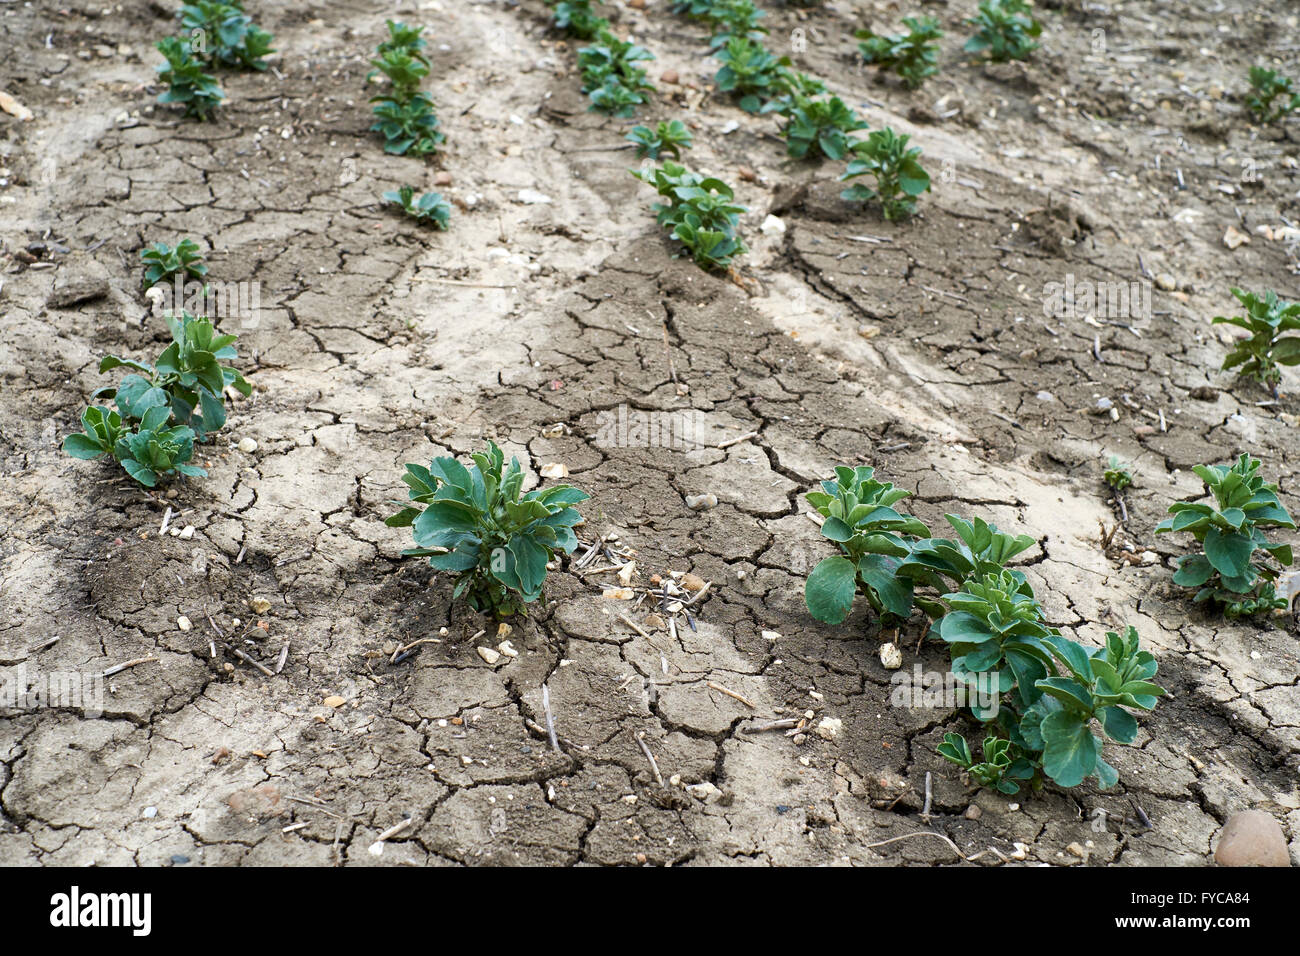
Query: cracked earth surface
[[919, 348]]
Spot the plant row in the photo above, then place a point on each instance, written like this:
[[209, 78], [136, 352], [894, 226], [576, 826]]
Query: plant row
[[215, 34]]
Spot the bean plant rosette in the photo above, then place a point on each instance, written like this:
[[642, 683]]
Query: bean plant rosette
[[1238, 566], [872, 537], [1267, 346], [163, 408], [900, 179], [476, 524]]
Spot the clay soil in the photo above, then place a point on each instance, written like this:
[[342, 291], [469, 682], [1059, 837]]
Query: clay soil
[[922, 348]]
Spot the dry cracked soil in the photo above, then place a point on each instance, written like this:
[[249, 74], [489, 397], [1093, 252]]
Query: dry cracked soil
[[1120, 153]]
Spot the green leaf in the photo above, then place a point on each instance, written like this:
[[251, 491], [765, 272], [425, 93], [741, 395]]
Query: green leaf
[[1119, 724], [83, 446], [965, 628], [1193, 571], [1069, 748], [1228, 553], [830, 589], [895, 593]]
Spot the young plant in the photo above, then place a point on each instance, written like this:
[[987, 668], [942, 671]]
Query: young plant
[[668, 138], [403, 38], [162, 408], [404, 115], [1058, 691], [187, 84], [1236, 568], [429, 209], [222, 34], [476, 524], [162, 262], [151, 450], [188, 378], [1266, 86], [699, 212], [576, 18], [610, 75], [887, 556], [793, 87], [734, 18], [979, 549], [751, 73], [1266, 319], [1007, 30], [820, 127], [995, 770], [899, 176], [872, 537], [1118, 475], [911, 55]]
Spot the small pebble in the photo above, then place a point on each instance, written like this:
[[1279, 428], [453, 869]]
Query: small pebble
[[891, 657]]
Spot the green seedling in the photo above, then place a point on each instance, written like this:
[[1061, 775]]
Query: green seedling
[[995, 770], [899, 175], [1259, 356], [668, 138], [403, 38], [611, 76], [699, 212], [1119, 476], [1265, 87], [912, 55], [476, 524], [751, 73], [188, 378], [576, 18], [735, 18], [820, 128], [404, 115], [222, 34], [187, 84], [430, 209], [1238, 567], [872, 537], [162, 262], [1006, 30], [1055, 691], [161, 409], [151, 450]]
